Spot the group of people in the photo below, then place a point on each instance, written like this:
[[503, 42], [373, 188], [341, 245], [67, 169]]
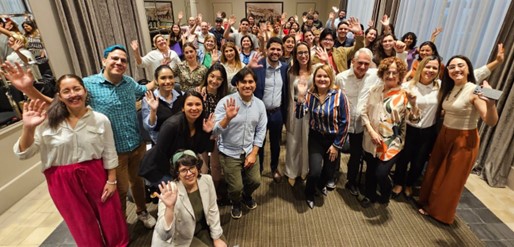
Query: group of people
[[209, 112]]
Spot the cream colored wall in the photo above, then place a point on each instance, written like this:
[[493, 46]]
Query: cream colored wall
[[18, 177]]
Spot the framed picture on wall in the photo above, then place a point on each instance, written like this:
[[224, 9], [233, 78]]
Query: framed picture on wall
[[264, 10], [159, 13]]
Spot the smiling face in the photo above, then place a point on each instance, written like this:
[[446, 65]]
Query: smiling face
[[391, 76], [246, 43], [322, 80], [388, 43], [302, 54], [161, 43], [289, 45], [425, 51], [458, 71], [229, 54], [243, 26], [342, 30], [189, 53], [175, 29], [309, 37], [27, 28], [274, 52], [361, 64], [188, 175], [371, 35], [115, 64], [408, 41], [72, 93], [193, 108], [166, 80], [246, 87], [214, 80], [328, 42], [209, 43], [429, 72]]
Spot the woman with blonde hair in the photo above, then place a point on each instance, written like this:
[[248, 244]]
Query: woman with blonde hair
[[328, 112], [231, 60]]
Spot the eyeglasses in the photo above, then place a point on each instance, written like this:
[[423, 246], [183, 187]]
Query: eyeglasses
[[184, 171], [453, 66], [303, 53], [393, 73], [329, 40]]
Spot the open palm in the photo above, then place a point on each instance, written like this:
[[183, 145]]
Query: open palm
[[34, 113]]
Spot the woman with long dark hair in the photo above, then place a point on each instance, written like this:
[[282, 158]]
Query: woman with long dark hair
[[457, 144], [78, 158]]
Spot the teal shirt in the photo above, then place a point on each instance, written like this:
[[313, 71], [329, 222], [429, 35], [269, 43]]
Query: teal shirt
[[118, 103]]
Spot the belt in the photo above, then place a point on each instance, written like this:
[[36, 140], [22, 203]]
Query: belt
[[271, 111]]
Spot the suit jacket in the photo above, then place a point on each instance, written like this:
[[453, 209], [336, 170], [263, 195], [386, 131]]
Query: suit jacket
[[261, 78], [181, 230], [342, 55]]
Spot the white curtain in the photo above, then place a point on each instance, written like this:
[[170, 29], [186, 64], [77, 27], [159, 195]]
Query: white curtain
[[362, 9], [470, 27]]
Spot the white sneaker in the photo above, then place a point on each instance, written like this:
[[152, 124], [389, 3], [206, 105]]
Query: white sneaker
[[147, 219]]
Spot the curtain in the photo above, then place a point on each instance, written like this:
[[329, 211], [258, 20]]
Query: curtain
[[92, 25], [496, 157], [470, 27], [385, 7], [361, 9]]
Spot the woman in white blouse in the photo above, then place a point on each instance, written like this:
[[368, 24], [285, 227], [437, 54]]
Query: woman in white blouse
[[78, 159]]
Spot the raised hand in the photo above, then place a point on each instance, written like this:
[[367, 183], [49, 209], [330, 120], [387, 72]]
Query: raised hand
[[355, 25], [254, 61], [135, 45], [169, 193], [385, 20], [215, 54], [371, 23], [218, 14], [208, 123], [231, 109], [500, 54], [322, 54], [331, 15], [17, 45], [435, 33], [399, 46], [19, 78], [34, 113], [232, 20], [180, 15], [152, 101], [200, 18]]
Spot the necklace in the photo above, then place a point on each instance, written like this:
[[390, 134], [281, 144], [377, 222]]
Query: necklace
[[457, 94]]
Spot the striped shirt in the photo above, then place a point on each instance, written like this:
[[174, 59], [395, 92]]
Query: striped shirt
[[328, 117], [118, 103]]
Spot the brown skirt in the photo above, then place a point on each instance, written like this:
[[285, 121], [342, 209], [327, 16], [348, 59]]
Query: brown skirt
[[450, 163]]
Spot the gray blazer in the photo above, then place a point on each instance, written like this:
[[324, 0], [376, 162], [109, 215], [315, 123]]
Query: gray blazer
[[181, 230]]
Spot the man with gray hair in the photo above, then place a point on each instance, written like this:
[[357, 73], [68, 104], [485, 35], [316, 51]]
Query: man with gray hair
[[356, 82]]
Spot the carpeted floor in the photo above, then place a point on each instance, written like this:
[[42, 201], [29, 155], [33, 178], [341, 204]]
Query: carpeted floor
[[282, 218]]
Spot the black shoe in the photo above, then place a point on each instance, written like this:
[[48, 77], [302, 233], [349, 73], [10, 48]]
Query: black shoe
[[331, 185], [310, 203], [394, 195], [324, 191], [354, 190], [249, 202], [365, 202], [236, 212]]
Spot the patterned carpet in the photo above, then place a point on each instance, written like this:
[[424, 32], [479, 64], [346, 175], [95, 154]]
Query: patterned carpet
[[283, 219]]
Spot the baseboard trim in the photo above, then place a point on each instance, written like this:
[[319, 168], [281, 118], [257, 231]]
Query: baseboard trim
[[20, 186]]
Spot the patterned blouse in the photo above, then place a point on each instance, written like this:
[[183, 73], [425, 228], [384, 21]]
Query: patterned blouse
[[387, 114], [190, 79]]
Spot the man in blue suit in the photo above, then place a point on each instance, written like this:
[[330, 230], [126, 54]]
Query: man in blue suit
[[272, 88]]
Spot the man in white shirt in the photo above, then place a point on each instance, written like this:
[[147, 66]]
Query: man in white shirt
[[356, 82]]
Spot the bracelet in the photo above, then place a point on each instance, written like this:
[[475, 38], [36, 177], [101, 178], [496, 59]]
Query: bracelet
[[112, 183]]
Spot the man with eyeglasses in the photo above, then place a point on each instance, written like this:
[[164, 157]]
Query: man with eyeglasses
[[356, 82], [339, 57]]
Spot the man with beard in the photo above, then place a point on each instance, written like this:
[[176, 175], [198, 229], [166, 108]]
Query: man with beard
[[272, 88]]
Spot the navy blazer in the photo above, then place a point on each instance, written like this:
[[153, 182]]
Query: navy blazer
[[261, 77]]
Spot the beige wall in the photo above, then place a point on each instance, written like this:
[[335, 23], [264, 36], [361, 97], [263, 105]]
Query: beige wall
[[18, 177]]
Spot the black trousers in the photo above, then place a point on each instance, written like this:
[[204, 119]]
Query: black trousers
[[377, 174], [417, 149], [321, 169], [355, 157]]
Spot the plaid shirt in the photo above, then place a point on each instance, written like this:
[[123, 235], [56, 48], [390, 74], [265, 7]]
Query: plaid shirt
[[118, 103]]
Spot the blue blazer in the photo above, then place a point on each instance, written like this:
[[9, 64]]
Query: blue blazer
[[261, 77]]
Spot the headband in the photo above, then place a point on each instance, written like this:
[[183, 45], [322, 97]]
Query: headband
[[179, 155]]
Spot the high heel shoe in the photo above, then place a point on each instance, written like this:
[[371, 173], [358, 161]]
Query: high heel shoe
[[310, 203]]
